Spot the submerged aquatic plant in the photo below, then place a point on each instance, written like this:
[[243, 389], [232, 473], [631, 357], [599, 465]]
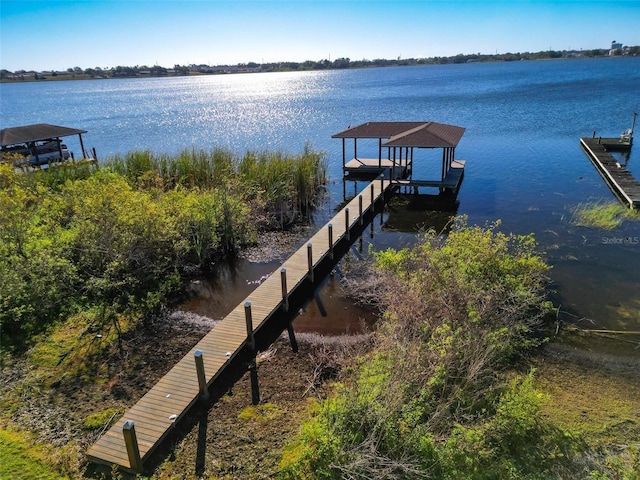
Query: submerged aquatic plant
[[606, 216]]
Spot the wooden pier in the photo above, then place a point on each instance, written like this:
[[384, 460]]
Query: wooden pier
[[131, 440], [618, 178]]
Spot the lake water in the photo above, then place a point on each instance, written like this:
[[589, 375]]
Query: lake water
[[523, 122]]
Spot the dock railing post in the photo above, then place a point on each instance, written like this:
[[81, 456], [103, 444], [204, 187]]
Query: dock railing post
[[310, 260], [253, 369], [330, 228], [202, 379], [360, 207], [285, 293], [346, 223], [131, 442]]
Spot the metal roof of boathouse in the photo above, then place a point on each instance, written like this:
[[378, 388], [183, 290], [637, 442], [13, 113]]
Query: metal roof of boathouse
[[34, 133], [407, 134]]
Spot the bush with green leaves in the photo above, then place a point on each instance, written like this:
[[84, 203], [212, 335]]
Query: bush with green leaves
[[437, 397], [121, 238]]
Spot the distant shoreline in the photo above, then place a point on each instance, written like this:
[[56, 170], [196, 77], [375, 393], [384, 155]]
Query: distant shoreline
[[338, 64]]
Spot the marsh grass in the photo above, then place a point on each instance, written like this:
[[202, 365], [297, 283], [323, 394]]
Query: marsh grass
[[290, 184], [287, 185], [605, 216]]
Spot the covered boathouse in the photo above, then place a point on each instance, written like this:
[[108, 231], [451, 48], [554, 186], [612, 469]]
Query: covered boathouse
[[396, 143], [41, 143]]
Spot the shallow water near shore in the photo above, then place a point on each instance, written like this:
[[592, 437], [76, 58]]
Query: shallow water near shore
[[523, 122]]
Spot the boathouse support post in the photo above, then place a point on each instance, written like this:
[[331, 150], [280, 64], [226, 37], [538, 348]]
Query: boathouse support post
[[285, 293], [131, 442], [393, 164], [360, 208], [84, 153], [310, 260], [253, 369], [330, 231], [346, 224], [202, 379]]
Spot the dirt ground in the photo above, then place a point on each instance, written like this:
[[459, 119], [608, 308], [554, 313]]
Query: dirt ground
[[236, 440], [233, 440]]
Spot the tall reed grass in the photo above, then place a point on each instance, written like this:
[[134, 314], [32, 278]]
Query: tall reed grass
[[287, 185]]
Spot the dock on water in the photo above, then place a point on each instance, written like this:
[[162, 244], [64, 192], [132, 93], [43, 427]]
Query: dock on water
[[617, 176], [254, 324], [264, 313], [397, 143]]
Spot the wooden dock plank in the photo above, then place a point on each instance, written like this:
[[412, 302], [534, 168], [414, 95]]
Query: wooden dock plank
[[618, 178], [171, 397]]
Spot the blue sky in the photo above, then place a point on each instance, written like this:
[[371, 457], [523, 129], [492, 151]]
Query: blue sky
[[46, 35]]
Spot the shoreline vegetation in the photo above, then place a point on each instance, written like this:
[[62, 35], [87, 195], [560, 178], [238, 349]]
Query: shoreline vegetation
[[118, 240], [144, 71], [445, 387]]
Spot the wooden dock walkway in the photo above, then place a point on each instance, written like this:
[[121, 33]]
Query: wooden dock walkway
[[132, 439], [619, 179]]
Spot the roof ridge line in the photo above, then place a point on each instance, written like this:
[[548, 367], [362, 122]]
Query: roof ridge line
[[409, 132]]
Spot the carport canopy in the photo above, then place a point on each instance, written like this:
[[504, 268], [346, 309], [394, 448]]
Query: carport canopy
[[36, 133]]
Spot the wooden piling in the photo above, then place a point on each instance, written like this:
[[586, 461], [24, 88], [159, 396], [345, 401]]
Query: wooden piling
[[285, 294], [361, 220], [330, 232], [346, 224], [131, 443], [310, 260], [249, 323], [373, 197], [251, 342], [292, 337], [202, 379]]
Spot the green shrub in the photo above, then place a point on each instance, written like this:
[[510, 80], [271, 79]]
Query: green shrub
[[120, 238], [458, 311]]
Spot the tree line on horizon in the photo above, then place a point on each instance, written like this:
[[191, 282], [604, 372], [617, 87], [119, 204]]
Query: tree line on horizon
[[325, 64]]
